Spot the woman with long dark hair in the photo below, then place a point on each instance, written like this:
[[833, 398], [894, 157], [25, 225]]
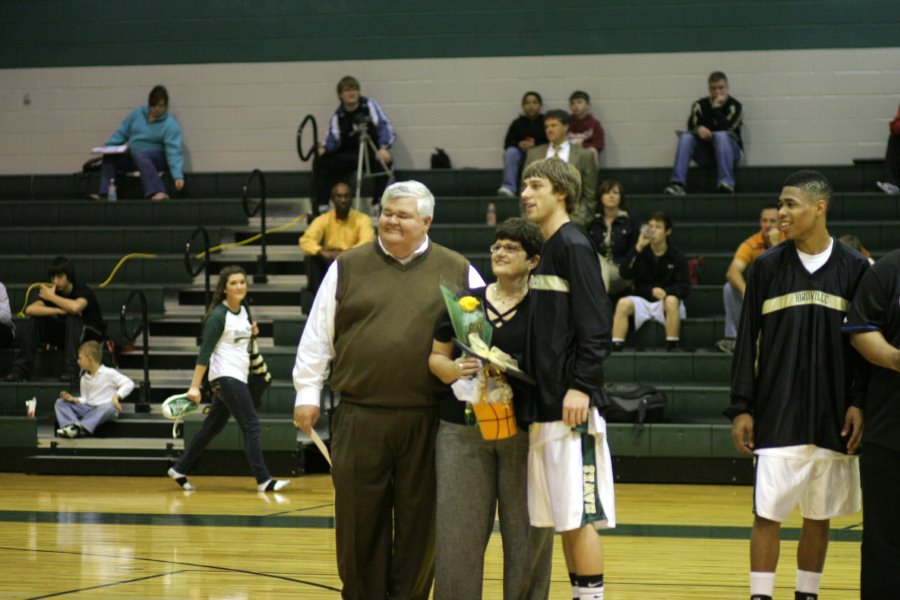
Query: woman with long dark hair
[[615, 231], [225, 353]]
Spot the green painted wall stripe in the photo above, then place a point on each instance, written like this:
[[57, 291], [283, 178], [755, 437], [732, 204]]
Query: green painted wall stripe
[[312, 522], [65, 33]]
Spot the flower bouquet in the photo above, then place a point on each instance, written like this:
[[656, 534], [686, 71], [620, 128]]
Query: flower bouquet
[[488, 394]]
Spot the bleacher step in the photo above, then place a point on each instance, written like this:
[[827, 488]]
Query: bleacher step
[[122, 443], [50, 464]]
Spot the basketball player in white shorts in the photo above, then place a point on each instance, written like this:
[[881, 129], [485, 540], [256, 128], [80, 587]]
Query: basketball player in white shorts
[[824, 483], [570, 480]]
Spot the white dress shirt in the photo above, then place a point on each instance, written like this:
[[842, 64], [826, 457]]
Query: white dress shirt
[[5, 310], [563, 153], [316, 349], [102, 386]]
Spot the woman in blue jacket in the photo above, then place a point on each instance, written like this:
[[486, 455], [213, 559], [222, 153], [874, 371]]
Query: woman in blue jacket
[[153, 137]]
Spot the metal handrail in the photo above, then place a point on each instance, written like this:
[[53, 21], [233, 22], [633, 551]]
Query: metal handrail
[[143, 328], [305, 156], [260, 275], [204, 264]]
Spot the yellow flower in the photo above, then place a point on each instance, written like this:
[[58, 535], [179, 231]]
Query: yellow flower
[[468, 303]]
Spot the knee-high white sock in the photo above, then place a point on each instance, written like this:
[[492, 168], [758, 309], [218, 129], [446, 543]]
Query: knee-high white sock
[[762, 583], [808, 582]]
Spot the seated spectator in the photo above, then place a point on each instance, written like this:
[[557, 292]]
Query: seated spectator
[[153, 137], [102, 389], [892, 160], [341, 228], [661, 283], [523, 134], [65, 313], [585, 129], [713, 137], [556, 126], [851, 240], [7, 327], [337, 158], [615, 231], [769, 234]]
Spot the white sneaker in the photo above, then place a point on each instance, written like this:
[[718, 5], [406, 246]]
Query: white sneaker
[[181, 480], [503, 191], [273, 485], [726, 345], [69, 431], [887, 188]]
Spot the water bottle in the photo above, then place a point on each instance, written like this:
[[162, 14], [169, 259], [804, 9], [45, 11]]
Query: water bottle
[[111, 194], [491, 214]]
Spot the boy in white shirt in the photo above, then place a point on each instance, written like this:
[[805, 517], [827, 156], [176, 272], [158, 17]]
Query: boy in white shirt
[[101, 390]]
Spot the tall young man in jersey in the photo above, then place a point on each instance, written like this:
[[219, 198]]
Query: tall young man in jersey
[[570, 484], [874, 328], [796, 390]]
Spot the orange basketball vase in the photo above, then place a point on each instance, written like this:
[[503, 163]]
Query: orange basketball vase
[[496, 420]]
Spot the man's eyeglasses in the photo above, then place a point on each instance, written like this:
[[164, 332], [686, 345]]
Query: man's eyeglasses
[[508, 248]]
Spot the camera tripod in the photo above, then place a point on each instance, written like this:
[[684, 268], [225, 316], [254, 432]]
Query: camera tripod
[[363, 164]]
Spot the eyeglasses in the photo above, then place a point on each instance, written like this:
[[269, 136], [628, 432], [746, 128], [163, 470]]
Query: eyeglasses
[[508, 248]]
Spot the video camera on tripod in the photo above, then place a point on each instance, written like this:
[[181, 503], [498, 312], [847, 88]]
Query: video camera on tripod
[[361, 123]]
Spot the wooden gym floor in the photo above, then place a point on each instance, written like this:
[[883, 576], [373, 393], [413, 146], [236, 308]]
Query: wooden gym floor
[[118, 537]]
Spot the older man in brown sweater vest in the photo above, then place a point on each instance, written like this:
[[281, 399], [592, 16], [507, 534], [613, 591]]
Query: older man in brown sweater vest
[[373, 319]]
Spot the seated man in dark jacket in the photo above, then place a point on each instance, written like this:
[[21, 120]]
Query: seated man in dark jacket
[[713, 137], [337, 159], [661, 283], [65, 314], [523, 134]]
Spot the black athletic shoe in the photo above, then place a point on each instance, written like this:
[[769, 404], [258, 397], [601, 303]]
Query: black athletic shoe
[[675, 189]]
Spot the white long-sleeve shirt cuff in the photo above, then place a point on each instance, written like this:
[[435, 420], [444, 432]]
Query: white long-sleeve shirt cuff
[[316, 347], [308, 396]]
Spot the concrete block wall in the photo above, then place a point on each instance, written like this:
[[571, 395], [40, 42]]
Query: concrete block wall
[[809, 105]]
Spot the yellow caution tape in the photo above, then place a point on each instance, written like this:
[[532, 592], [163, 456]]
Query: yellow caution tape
[[125, 258], [253, 238]]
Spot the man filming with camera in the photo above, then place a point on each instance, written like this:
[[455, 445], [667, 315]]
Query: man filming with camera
[[358, 125]]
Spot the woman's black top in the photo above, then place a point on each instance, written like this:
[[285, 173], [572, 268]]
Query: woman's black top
[[509, 336]]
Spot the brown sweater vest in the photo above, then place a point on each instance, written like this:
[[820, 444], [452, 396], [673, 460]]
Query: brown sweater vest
[[384, 324]]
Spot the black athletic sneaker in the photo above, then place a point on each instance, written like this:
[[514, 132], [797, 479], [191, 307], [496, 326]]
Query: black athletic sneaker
[[675, 189]]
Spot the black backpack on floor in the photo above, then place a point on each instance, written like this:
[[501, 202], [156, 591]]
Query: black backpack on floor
[[634, 403]]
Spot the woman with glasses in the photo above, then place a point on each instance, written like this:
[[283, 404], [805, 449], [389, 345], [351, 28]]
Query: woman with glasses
[[475, 475]]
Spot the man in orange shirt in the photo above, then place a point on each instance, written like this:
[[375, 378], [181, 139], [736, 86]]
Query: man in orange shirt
[[733, 292], [341, 228]]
